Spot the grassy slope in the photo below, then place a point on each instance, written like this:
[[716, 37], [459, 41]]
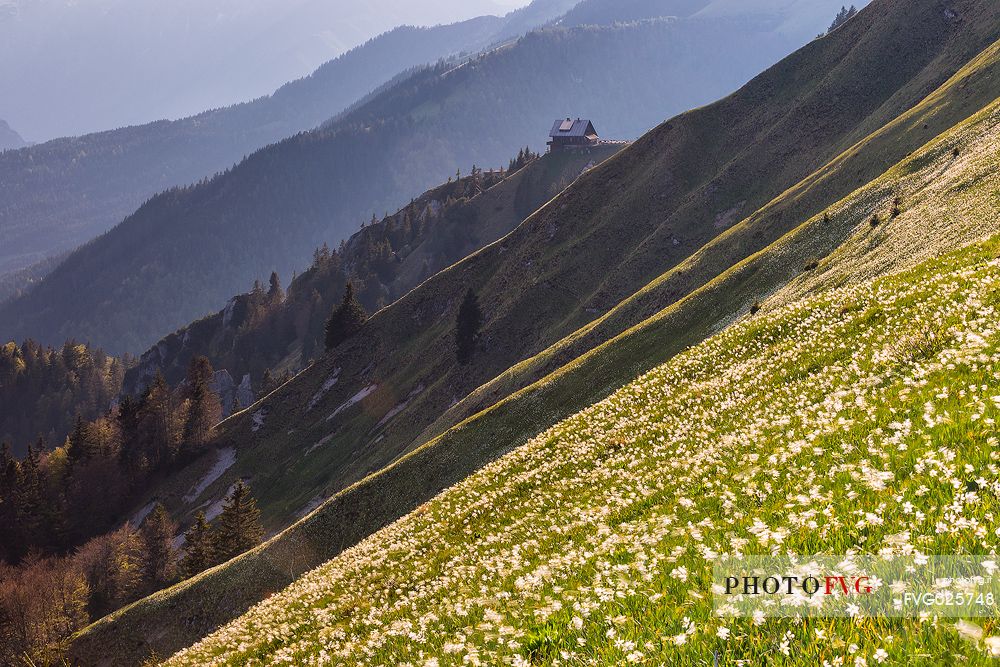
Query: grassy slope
[[184, 252], [461, 227], [287, 472], [351, 516], [593, 543], [538, 285], [959, 97]]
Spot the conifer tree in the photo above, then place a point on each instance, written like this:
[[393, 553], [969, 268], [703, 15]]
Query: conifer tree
[[159, 562], [275, 294], [199, 547], [346, 319], [204, 407], [267, 383], [29, 503], [159, 429], [80, 448], [8, 508], [467, 327], [843, 17], [238, 528]]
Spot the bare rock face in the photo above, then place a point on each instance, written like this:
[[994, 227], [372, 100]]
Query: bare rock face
[[233, 396], [244, 392]]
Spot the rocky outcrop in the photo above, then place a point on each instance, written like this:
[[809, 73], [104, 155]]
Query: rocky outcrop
[[232, 394]]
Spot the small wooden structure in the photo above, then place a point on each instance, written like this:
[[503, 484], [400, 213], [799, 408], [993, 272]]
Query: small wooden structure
[[571, 133]]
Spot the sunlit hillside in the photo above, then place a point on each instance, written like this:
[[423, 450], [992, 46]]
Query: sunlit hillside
[[853, 412]]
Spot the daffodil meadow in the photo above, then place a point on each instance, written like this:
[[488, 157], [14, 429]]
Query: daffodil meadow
[[859, 420]]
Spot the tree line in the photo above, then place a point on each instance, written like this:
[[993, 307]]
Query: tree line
[[42, 389], [262, 328], [55, 575], [44, 600], [54, 498]]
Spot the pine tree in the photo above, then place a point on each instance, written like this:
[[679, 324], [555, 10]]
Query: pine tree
[[204, 407], [159, 562], [159, 428], [346, 319], [275, 294], [29, 504], [843, 16], [238, 528], [199, 547], [467, 326], [80, 447], [8, 508]]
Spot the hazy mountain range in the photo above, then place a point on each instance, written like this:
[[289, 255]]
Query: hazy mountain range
[[64, 192], [187, 251], [147, 60]]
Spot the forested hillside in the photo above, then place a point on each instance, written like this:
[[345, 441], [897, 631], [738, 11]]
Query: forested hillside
[[187, 250], [57, 497], [269, 332], [808, 159], [65, 192], [43, 390]]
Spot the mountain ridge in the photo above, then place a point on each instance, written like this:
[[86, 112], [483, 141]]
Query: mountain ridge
[[114, 171], [170, 61], [373, 181], [383, 261]]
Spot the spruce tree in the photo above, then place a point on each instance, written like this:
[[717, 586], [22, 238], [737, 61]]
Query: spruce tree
[[8, 508], [159, 562], [467, 327], [204, 407], [275, 294], [159, 428], [843, 17], [199, 547], [79, 446], [238, 528], [346, 319], [29, 505], [267, 383]]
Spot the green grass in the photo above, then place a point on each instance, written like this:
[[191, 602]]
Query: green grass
[[936, 221], [811, 428], [625, 201]]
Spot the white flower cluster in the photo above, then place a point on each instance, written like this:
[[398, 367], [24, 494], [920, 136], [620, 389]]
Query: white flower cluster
[[861, 420]]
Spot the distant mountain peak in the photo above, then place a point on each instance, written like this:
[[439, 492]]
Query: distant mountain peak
[[9, 138]]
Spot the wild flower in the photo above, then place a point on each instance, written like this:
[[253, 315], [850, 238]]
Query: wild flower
[[613, 517]]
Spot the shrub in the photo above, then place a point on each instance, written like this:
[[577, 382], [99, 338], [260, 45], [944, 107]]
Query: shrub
[[897, 205]]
